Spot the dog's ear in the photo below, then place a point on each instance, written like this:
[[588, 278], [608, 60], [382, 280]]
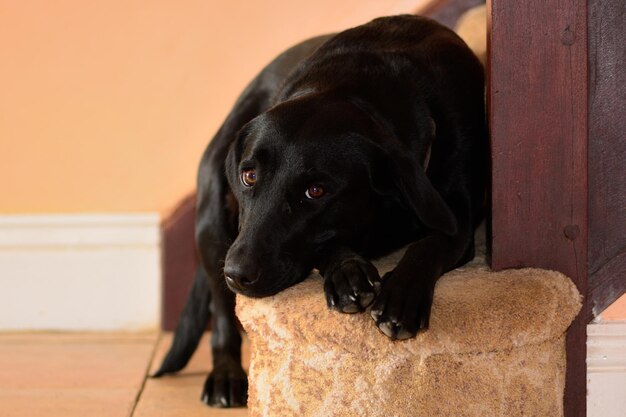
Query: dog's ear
[[418, 193], [397, 174]]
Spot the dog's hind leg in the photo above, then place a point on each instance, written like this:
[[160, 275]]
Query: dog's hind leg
[[226, 385], [190, 327]]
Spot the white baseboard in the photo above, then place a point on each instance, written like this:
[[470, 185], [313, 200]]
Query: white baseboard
[[606, 369], [80, 272]]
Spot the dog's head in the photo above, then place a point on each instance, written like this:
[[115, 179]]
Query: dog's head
[[309, 175]]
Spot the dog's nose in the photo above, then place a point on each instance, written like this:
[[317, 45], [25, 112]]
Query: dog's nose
[[239, 279]]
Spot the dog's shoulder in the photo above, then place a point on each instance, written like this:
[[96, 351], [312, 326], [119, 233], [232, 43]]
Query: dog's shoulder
[[404, 49]]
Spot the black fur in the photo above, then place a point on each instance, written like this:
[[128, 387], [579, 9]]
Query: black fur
[[191, 325], [384, 125]]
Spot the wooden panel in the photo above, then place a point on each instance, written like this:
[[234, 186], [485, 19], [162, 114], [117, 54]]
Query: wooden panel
[[538, 119], [607, 153], [539, 133], [605, 286], [179, 260]]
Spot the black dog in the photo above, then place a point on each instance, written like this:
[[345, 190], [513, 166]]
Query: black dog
[[344, 148]]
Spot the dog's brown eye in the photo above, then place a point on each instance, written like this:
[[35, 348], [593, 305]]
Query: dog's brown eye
[[315, 191], [248, 177]]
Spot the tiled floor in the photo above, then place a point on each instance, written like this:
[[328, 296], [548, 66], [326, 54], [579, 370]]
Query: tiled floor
[[57, 374]]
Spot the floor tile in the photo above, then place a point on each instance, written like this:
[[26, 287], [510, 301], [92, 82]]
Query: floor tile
[[72, 374], [67, 361], [100, 374], [76, 402]]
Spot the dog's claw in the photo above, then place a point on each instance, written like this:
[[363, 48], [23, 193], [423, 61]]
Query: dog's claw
[[394, 331], [351, 308], [366, 299], [388, 329], [332, 302], [404, 334]]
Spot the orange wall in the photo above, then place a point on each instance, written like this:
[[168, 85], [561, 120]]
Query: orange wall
[[106, 106], [616, 311]]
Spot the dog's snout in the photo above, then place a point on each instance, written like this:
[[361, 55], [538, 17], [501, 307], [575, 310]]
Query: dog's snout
[[238, 278]]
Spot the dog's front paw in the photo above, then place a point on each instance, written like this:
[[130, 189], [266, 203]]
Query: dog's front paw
[[403, 306], [352, 285], [226, 386]]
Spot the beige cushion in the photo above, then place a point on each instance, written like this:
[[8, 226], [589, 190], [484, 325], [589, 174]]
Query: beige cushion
[[495, 347]]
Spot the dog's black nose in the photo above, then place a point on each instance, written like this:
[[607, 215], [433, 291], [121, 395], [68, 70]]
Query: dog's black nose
[[239, 279]]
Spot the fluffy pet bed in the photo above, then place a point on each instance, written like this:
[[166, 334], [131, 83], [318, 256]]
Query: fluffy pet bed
[[495, 347]]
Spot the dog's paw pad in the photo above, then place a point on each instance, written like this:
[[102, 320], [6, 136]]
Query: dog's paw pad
[[402, 310], [351, 286], [226, 388]]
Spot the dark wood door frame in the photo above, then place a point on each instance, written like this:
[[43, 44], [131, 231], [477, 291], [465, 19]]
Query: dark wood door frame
[[558, 186], [179, 260]]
